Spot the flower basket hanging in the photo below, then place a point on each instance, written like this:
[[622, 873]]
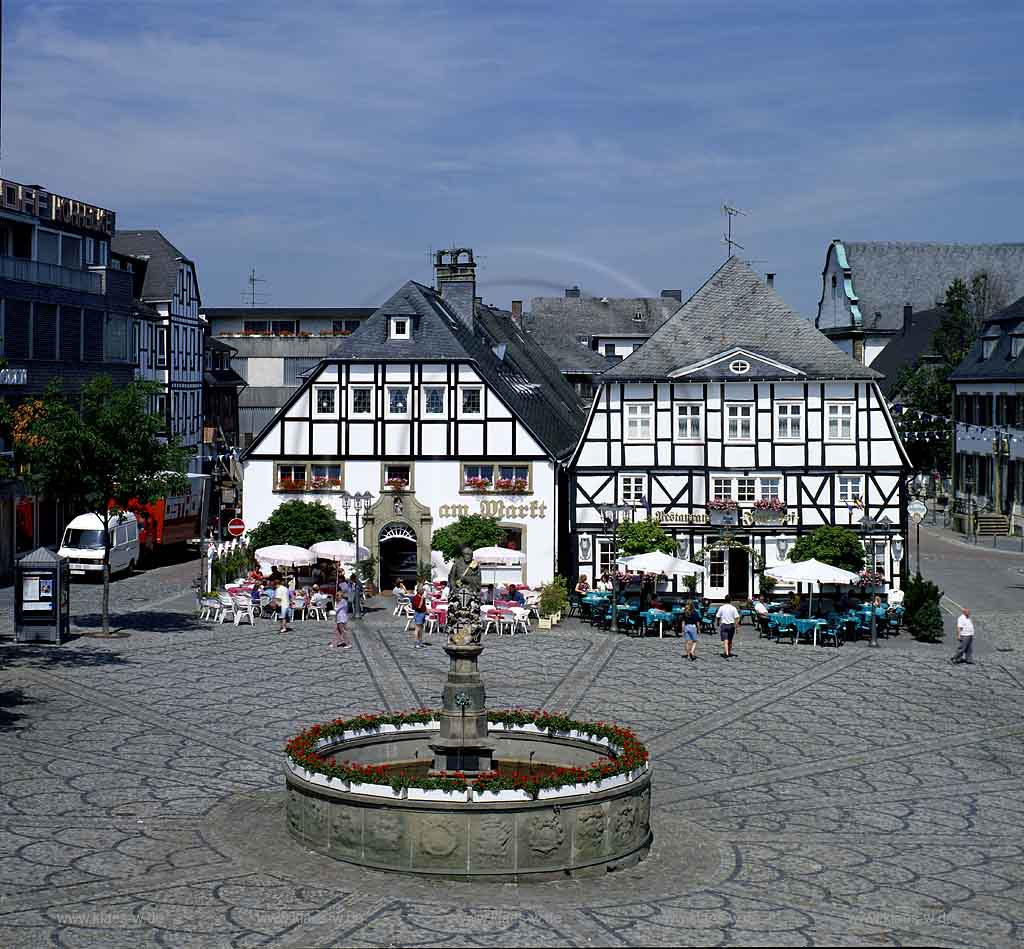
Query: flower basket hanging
[[723, 511], [769, 511]]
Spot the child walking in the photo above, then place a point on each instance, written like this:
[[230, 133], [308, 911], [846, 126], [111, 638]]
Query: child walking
[[341, 639]]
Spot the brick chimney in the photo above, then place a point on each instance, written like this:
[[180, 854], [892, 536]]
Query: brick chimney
[[572, 293], [455, 280], [517, 312], [770, 278], [676, 295], [908, 317]]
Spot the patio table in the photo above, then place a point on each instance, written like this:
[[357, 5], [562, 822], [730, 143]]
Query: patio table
[[660, 617]]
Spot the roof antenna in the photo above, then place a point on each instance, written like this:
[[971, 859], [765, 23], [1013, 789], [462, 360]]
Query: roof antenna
[[731, 211], [254, 295]]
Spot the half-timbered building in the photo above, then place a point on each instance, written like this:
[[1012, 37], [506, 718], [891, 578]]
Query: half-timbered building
[[736, 398], [439, 407]]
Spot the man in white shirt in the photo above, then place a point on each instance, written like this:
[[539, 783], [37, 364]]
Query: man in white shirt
[[727, 618], [965, 637], [283, 596]]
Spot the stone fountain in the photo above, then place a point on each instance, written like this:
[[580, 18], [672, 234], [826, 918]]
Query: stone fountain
[[573, 830]]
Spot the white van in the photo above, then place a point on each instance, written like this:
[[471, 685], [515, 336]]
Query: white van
[[82, 544]]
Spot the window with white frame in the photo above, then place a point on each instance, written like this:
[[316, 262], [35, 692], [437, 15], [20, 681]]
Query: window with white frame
[[398, 400], [689, 421], [739, 422], [789, 421], [399, 326], [839, 421], [433, 400], [721, 489], [326, 400], [325, 477], [478, 477], [639, 425], [397, 476], [746, 489], [876, 555], [362, 400], [771, 488], [849, 488], [605, 557], [472, 400], [631, 488]]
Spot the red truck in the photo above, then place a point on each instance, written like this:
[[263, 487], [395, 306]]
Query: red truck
[[172, 520]]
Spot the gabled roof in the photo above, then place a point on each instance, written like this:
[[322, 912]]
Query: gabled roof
[[162, 260], [746, 363], [885, 275], [1001, 365], [557, 322], [907, 348], [520, 373], [735, 309]]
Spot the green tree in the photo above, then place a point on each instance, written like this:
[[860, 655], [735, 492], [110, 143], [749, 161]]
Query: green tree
[[643, 537], [302, 523], [838, 546], [101, 458], [471, 530]]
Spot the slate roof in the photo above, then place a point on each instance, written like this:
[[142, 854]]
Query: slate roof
[[264, 397], [906, 348], [288, 312], [161, 258], [556, 322], [277, 347], [1000, 365], [523, 375], [736, 309], [888, 274]]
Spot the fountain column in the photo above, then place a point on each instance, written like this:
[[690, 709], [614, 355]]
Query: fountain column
[[463, 744]]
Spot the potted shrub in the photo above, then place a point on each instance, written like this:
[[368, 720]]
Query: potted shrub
[[723, 512], [554, 597], [769, 511]]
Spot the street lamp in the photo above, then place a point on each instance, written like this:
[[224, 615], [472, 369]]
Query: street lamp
[[613, 515], [359, 503]]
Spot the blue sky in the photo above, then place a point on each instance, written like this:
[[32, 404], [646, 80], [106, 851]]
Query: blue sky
[[332, 145]]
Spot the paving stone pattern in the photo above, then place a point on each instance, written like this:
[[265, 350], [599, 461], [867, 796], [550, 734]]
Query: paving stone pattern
[[801, 796]]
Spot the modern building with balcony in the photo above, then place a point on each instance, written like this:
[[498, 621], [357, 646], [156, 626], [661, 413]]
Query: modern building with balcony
[[65, 316]]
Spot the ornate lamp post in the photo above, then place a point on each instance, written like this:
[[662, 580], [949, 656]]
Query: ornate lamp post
[[613, 515], [359, 503]]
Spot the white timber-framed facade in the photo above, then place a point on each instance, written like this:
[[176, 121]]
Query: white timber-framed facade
[[439, 408], [738, 399]]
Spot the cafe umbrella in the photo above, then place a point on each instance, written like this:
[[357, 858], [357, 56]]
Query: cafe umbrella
[[812, 571]]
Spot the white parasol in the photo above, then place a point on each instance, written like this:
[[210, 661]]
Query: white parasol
[[285, 555], [812, 571], [340, 551], [659, 563], [498, 555]]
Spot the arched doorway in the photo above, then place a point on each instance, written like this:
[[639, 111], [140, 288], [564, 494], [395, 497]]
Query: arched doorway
[[397, 554]]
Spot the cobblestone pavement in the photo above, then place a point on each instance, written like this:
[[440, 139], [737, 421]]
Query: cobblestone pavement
[[801, 796]]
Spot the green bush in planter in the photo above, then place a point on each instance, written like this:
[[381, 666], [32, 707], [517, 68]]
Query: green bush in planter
[[926, 626], [554, 597]]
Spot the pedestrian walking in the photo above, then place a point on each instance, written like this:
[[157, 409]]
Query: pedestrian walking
[[965, 637], [727, 617], [341, 639], [283, 596], [691, 625], [419, 615], [357, 595]]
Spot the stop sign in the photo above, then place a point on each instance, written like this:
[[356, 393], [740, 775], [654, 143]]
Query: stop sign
[[236, 527]]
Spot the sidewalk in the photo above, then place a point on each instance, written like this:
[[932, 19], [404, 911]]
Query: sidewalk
[[1006, 545]]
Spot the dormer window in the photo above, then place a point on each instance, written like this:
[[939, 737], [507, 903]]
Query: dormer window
[[399, 327], [989, 341], [1016, 346], [638, 316]]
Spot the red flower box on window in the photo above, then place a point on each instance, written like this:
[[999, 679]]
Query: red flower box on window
[[325, 484], [477, 484], [770, 504], [512, 485], [289, 484], [722, 504], [397, 484]]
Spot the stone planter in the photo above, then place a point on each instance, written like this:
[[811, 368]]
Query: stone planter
[[544, 622], [377, 790], [723, 518], [435, 794], [496, 797]]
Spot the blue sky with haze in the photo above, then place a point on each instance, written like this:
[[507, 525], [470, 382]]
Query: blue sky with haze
[[331, 145]]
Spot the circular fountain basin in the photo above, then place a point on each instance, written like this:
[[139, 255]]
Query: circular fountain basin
[[581, 829]]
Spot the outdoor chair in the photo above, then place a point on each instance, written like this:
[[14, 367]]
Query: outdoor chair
[[209, 608], [244, 610], [520, 620], [574, 604], [786, 631], [433, 622], [892, 622], [764, 629], [402, 603], [832, 632], [318, 606], [227, 607]]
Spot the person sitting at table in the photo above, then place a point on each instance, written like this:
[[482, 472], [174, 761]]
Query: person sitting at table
[[582, 587], [516, 595], [256, 594], [275, 576], [761, 606], [444, 591], [256, 573], [604, 584]]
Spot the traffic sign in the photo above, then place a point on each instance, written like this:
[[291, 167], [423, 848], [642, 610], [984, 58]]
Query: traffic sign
[[917, 510], [236, 527]]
